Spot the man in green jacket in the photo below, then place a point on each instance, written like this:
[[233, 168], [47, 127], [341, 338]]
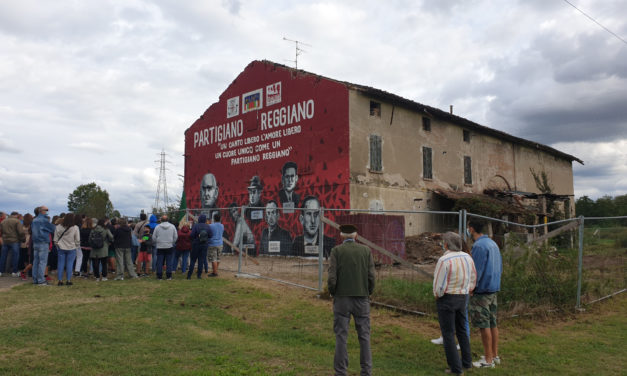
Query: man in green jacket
[[351, 282]]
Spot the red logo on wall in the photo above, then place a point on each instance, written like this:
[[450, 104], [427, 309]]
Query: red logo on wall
[[273, 94]]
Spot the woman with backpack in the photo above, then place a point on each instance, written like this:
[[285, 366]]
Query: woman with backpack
[[67, 239], [201, 232], [99, 240]]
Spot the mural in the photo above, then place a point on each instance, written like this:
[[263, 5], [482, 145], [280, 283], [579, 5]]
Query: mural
[[273, 150]]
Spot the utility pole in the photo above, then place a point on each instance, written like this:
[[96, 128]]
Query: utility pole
[[298, 50], [162, 185]]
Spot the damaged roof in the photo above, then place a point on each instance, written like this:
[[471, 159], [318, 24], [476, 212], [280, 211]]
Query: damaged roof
[[438, 114]]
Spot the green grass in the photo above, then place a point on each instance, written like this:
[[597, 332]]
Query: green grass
[[414, 295], [227, 326]]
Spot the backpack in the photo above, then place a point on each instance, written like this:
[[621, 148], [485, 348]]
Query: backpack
[[96, 239], [203, 237]]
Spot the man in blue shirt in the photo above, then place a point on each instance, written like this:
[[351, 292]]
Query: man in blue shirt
[[483, 305], [41, 229], [215, 243]]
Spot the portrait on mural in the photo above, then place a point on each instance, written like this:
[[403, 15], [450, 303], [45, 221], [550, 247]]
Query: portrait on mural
[[208, 194], [274, 239], [306, 245], [254, 211], [287, 196], [243, 239]]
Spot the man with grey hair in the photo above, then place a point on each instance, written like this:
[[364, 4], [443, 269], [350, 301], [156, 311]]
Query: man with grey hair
[[454, 278], [351, 282]]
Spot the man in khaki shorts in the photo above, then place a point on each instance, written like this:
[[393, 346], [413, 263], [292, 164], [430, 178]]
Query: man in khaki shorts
[[483, 305], [215, 243]]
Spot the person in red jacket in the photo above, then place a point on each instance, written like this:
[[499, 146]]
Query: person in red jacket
[[183, 245]]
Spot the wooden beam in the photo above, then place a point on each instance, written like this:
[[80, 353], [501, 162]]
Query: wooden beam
[[238, 251], [380, 249], [571, 226]]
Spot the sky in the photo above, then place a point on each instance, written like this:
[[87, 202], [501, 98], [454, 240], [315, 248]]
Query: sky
[[93, 91]]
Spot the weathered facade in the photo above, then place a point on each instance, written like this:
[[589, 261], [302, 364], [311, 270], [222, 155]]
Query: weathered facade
[[351, 147], [424, 150]]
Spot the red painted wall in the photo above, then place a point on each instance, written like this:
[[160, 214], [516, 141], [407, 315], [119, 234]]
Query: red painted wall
[[275, 115]]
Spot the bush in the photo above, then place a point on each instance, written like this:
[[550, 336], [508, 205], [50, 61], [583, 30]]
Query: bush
[[539, 278]]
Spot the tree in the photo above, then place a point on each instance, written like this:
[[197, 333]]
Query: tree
[[91, 200]]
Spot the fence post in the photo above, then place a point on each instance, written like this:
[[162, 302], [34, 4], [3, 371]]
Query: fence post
[[580, 271], [320, 248], [460, 227], [239, 258], [465, 224]]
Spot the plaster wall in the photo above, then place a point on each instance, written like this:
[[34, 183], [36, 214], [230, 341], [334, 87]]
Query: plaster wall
[[400, 184]]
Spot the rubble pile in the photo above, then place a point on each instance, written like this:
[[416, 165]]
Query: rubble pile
[[424, 248]]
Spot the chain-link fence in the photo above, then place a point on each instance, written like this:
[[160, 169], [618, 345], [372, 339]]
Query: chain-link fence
[[546, 267], [604, 258]]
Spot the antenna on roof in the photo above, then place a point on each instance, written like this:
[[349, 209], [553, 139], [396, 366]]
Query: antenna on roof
[[298, 50]]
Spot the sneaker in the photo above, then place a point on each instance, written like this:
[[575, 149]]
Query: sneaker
[[104, 279], [169, 279], [23, 276], [495, 360], [60, 283], [43, 284], [0, 274], [69, 283], [481, 364], [48, 278], [119, 278], [15, 274], [438, 341], [212, 275]]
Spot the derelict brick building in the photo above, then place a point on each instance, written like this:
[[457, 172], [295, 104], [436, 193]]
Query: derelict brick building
[[355, 147]]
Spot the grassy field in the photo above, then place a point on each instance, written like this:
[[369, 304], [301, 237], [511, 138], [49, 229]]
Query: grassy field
[[229, 326]]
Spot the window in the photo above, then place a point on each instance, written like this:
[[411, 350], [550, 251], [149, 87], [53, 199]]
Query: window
[[375, 109], [375, 153], [466, 136], [427, 171], [467, 170], [426, 124]]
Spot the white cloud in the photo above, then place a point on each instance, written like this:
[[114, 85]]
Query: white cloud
[[92, 91]]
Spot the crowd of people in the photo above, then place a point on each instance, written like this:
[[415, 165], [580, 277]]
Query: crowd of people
[[72, 245], [465, 283]]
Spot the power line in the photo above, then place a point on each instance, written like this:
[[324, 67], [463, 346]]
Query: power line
[[596, 22]]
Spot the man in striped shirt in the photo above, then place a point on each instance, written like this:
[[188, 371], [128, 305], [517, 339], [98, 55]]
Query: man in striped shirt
[[455, 277]]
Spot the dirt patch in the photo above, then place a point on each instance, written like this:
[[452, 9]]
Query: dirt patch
[[7, 282], [424, 248]]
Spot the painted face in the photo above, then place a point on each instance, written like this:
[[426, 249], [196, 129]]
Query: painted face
[[234, 213], [208, 191], [272, 215], [254, 195], [309, 218], [289, 179]]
